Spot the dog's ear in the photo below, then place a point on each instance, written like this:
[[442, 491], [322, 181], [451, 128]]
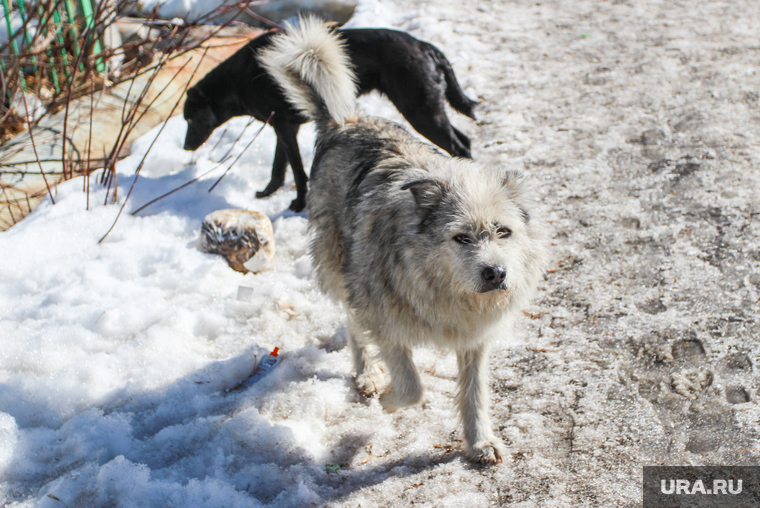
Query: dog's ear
[[514, 182], [195, 93], [427, 194]]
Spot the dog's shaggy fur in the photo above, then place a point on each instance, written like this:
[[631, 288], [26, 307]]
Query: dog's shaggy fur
[[419, 246], [413, 74]]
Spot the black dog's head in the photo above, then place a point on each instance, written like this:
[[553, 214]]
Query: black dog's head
[[200, 117]]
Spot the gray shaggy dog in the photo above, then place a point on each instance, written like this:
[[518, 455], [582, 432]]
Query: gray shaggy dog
[[421, 247]]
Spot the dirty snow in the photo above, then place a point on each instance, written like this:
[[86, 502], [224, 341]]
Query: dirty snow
[[638, 122]]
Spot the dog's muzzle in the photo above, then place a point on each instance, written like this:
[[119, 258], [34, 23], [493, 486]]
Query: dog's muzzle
[[192, 143], [492, 277]]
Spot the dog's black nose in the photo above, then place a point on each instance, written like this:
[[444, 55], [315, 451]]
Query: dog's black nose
[[493, 275], [191, 145]]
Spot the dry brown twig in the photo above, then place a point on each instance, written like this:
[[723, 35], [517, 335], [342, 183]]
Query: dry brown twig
[[142, 162], [37, 155]]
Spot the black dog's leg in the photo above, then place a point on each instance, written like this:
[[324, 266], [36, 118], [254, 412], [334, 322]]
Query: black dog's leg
[[462, 138], [286, 133], [279, 166], [424, 108], [435, 125]]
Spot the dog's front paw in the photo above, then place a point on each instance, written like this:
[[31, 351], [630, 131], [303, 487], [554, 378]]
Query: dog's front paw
[[392, 400], [270, 189], [489, 451], [371, 381], [389, 402], [298, 204]]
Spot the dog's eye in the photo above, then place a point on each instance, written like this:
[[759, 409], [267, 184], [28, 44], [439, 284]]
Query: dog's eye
[[462, 238], [504, 232]]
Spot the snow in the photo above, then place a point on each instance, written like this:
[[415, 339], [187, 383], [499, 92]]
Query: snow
[[638, 124]]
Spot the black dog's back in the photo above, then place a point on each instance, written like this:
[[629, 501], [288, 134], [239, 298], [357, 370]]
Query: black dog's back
[[401, 56], [414, 75]]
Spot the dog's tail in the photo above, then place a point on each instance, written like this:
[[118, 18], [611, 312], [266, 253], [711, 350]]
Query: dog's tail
[[312, 67], [454, 94]]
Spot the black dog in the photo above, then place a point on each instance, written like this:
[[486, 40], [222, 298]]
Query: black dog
[[413, 74]]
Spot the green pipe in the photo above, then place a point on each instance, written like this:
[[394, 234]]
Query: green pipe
[[11, 35], [49, 53], [70, 13], [12, 39], [96, 49], [59, 39], [22, 12], [27, 36]]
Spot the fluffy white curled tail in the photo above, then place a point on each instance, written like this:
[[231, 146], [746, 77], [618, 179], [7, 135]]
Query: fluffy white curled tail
[[311, 65]]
